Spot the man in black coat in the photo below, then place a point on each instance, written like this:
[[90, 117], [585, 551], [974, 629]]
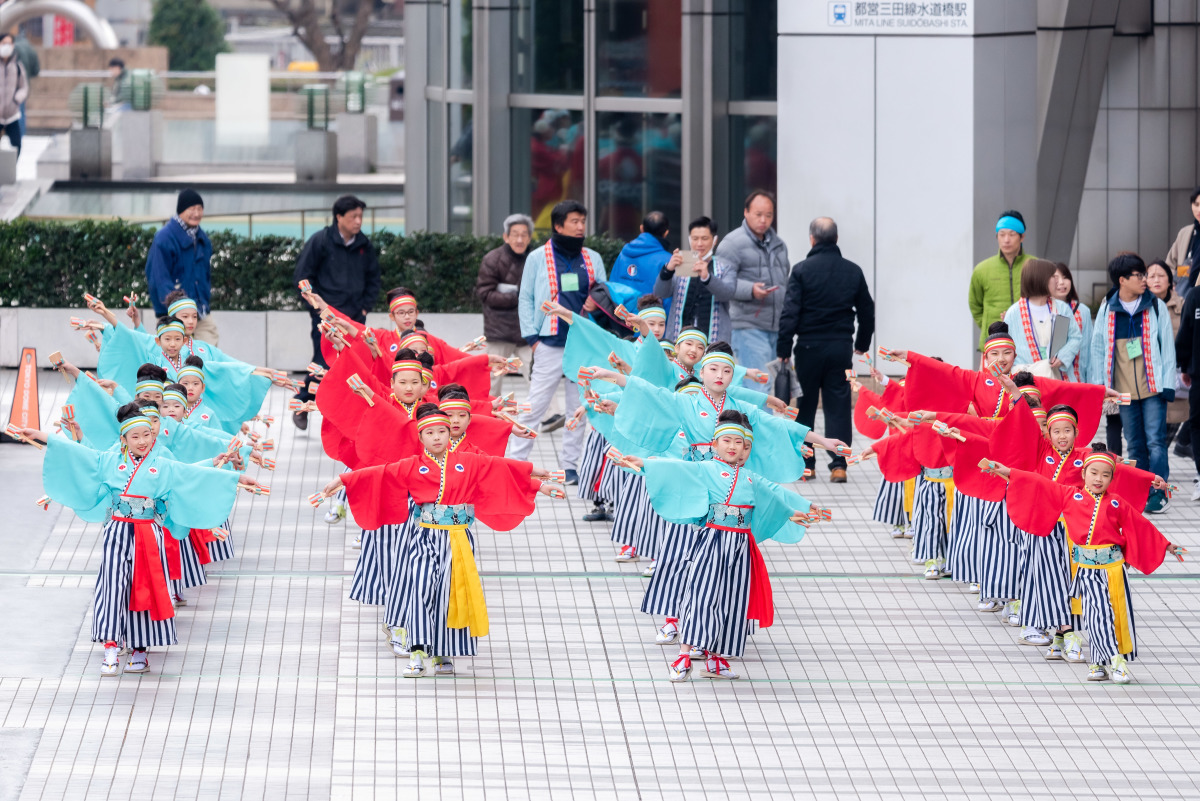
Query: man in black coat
[[1187, 358], [825, 294], [343, 269]]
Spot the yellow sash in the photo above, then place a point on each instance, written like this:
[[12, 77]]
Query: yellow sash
[[910, 487], [467, 606], [1116, 597]]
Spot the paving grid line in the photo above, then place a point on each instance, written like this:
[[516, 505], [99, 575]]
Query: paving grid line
[[821, 688]]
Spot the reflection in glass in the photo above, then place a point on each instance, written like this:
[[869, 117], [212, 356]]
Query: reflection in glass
[[548, 159], [460, 196], [547, 42], [435, 53], [752, 158], [461, 65], [753, 56], [637, 171], [638, 48]]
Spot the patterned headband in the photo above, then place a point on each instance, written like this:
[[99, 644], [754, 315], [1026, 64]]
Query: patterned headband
[[402, 300], [653, 313], [429, 420], [149, 385], [174, 325], [414, 336], [180, 305], [717, 357], [1100, 458], [1057, 416], [150, 411], [175, 395], [135, 422], [698, 336], [997, 342], [668, 346], [733, 430], [407, 364], [455, 404], [189, 370]]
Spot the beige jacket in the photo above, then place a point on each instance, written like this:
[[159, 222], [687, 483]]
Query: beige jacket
[[1179, 249], [14, 88]]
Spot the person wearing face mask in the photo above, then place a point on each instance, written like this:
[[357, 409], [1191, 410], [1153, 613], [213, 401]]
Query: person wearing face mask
[[14, 88]]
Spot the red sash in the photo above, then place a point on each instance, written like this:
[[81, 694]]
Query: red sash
[[174, 558], [761, 606], [200, 537], [149, 592]]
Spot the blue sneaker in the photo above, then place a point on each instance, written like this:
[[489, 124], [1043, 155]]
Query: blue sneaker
[[572, 478], [1157, 502]]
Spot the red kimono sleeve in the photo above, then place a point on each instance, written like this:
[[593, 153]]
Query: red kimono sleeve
[[968, 478], [379, 495], [502, 490], [968, 423], [1035, 502], [385, 434], [1145, 546], [872, 429], [936, 386], [472, 372], [444, 352], [927, 447], [896, 459], [1017, 439], [1086, 399], [1132, 485], [894, 397], [489, 434]]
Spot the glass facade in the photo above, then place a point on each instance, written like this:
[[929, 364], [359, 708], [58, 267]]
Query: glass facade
[[639, 48], [638, 164], [549, 152], [461, 49], [752, 158], [461, 204], [547, 47], [753, 28]]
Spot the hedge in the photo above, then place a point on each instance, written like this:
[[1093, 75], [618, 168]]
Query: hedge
[[48, 264]]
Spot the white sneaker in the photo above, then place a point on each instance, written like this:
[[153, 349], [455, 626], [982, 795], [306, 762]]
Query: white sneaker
[[1032, 636], [973, 587], [899, 534], [681, 668], [717, 667], [416, 665], [988, 606], [1073, 647], [336, 513], [1097, 673], [111, 664], [1196, 489], [138, 662], [442, 666], [627, 554], [648, 571], [907, 535], [399, 642], [667, 634], [1120, 670]]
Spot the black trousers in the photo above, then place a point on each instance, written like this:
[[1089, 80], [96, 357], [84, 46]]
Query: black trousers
[[1194, 421], [821, 369], [308, 388]]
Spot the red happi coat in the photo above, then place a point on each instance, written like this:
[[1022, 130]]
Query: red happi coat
[[389, 343]]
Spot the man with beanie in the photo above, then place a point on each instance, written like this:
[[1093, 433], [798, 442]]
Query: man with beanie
[[181, 258], [996, 281], [563, 271]]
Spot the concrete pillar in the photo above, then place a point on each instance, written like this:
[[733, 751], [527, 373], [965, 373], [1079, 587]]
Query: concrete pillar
[[357, 143], [913, 133], [316, 157], [140, 136], [90, 154], [8, 167]]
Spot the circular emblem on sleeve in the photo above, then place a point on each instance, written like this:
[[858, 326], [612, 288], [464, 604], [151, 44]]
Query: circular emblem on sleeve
[[423, 470], [989, 382], [395, 346], [433, 385], [1049, 460], [122, 466], [1078, 496], [460, 468], [631, 270], [1114, 503], [1078, 463]]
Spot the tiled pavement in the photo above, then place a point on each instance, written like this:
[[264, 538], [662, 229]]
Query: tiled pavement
[[871, 684]]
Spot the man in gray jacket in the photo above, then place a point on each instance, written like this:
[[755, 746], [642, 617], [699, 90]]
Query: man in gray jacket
[[757, 272]]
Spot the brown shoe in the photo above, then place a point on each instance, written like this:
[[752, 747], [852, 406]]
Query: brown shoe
[[837, 476]]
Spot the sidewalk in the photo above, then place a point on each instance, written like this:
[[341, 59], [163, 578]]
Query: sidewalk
[[873, 683]]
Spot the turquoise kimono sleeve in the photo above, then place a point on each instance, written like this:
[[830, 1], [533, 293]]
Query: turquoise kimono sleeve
[[233, 393], [748, 396], [191, 444], [75, 476], [776, 453], [773, 508], [679, 491], [649, 416], [739, 374], [95, 412], [588, 345], [652, 365], [122, 351], [197, 497]]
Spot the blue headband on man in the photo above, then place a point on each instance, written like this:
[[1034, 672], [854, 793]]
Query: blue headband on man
[[1010, 224]]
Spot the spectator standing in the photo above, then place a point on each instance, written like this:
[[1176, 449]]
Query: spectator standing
[[698, 302], [562, 270], [758, 269], [1187, 358], [121, 97], [498, 288], [1186, 248], [14, 88], [996, 281], [343, 268], [32, 64], [636, 270], [1133, 351], [1161, 282], [826, 294], [181, 258], [1031, 322]]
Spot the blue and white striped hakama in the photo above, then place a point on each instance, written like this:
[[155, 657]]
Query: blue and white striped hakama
[[648, 527], [930, 527], [1000, 557], [670, 570], [889, 504], [716, 592], [220, 550], [424, 599], [193, 574], [1098, 617], [966, 526], [376, 563], [1046, 581], [591, 462], [633, 517], [111, 619]]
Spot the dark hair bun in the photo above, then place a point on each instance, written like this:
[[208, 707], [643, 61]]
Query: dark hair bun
[[426, 409], [194, 361], [151, 372], [130, 409], [719, 347], [998, 327]]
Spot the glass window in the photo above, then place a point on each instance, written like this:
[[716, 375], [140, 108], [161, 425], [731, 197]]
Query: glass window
[[548, 159], [753, 49], [626, 63], [752, 159], [637, 171], [435, 46], [461, 65], [547, 47], [435, 130], [461, 139]]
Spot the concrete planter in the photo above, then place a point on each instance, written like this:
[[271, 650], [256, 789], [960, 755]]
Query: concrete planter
[[265, 339]]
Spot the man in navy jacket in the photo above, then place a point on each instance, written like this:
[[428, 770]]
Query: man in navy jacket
[[180, 258]]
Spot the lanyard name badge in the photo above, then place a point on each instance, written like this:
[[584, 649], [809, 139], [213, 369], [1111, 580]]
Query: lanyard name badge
[[569, 282], [1133, 348]]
